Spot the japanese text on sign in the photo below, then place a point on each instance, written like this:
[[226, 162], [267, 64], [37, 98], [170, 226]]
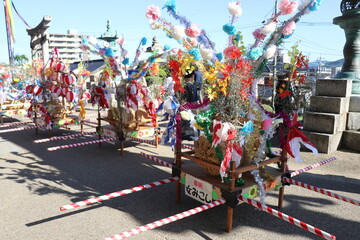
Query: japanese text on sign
[[198, 189], [109, 134], [41, 123]]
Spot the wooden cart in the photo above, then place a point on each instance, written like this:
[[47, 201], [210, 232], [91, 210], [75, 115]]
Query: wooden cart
[[187, 164], [13, 108], [111, 131]]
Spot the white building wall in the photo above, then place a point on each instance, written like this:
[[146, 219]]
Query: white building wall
[[69, 46]]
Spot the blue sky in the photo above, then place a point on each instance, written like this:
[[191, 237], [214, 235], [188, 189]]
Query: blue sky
[[319, 37]]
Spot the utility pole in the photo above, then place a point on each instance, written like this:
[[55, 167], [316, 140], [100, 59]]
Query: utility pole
[[319, 60], [274, 70]]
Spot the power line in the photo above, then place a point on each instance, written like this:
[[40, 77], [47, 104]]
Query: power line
[[311, 24], [318, 53], [314, 43]]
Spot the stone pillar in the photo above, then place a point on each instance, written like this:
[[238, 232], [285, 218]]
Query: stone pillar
[[350, 22], [333, 120], [45, 48], [325, 121], [38, 40]]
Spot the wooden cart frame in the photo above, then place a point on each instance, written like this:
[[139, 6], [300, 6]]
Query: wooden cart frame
[[230, 190], [115, 133]]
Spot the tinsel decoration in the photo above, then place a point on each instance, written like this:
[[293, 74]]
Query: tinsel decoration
[[238, 182], [260, 68], [248, 128], [204, 120], [261, 189]]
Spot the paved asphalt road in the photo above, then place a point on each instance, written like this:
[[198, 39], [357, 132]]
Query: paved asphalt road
[[34, 183]]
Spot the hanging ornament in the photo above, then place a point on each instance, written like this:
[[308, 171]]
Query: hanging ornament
[[37, 90]]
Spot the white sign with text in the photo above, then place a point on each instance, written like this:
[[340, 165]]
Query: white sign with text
[[198, 189], [109, 134]]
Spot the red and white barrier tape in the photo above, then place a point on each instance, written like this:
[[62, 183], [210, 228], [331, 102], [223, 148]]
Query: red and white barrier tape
[[62, 126], [315, 165], [118, 193], [95, 114], [165, 121], [87, 119], [287, 218], [277, 152], [165, 221], [193, 211], [322, 191], [90, 115], [20, 129], [64, 137], [155, 159], [187, 147], [14, 124], [14, 104], [90, 122], [80, 144], [142, 140]]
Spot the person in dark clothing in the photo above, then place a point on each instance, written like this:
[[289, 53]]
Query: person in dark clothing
[[190, 94], [198, 78], [284, 98]]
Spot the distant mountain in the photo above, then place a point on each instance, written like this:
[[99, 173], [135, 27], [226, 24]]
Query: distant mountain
[[337, 63], [329, 64]]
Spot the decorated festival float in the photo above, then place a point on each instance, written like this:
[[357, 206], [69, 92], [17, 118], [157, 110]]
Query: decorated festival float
[[56, 97], [12, 76], [123, 101], [123, 92], [229, 155], [13, 99], [230, 160]]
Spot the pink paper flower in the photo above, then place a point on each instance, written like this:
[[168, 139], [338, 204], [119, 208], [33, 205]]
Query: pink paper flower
[[266, 124], [120, 40], [232, 52], [153, 12], [289, 28], [193, 41], [175, 50], [193, 30], [288, 7], [258, 35]]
